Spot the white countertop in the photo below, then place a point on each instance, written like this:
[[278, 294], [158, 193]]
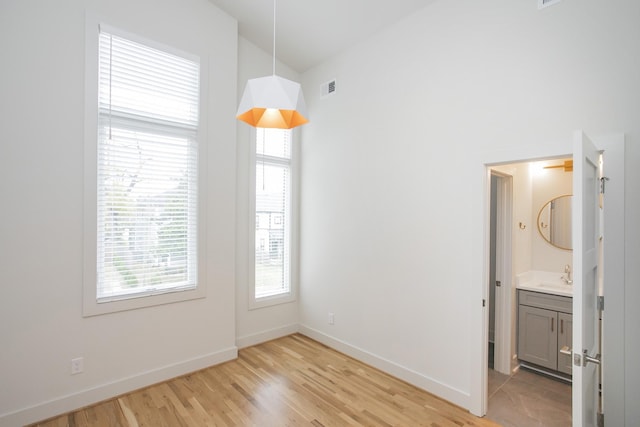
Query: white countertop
[[545, 282]]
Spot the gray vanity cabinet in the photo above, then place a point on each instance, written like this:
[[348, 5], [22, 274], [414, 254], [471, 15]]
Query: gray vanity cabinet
[[544, 327]]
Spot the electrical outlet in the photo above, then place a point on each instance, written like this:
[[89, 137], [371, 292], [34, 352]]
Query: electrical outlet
[[77, 365], [331, 319]]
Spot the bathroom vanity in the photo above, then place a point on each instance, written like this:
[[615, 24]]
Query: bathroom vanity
[[544, 322]]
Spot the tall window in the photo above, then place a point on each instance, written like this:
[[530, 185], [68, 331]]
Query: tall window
[[147, 171], [273, 213]]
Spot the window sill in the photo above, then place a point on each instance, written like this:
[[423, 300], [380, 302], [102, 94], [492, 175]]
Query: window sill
[[93, 308], [263, 302]]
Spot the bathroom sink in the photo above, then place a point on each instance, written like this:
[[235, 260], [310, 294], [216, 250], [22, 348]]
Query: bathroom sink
[[553, 285], [547, 282]]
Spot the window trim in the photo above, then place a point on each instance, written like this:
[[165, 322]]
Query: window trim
[[91, 306], [294, 169]]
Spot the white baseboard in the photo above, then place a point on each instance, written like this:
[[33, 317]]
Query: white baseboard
[[430, 385], [82, 398], [268, 335], [103, 392]]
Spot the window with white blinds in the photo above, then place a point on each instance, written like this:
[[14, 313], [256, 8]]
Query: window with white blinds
[[147, 169], [273, 213]]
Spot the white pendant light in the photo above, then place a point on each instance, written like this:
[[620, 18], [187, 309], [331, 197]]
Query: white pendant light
[[273, 101]]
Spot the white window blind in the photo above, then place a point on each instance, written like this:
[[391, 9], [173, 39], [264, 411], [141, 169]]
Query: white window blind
[[273, 213], [147, 169]]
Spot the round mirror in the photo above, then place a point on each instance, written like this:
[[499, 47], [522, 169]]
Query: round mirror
[[554, 222]]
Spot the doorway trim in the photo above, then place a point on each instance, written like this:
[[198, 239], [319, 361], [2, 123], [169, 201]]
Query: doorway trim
[[503, 270], [613, 342]]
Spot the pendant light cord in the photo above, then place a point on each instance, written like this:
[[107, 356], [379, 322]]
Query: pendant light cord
[[274, 37]]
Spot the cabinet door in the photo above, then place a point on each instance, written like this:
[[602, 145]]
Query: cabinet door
[[565, 338], [538, 336]]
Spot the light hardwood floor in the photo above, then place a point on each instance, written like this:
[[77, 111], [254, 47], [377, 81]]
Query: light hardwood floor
[[291, 381]]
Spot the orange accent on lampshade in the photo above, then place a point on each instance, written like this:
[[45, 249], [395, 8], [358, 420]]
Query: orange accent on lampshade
[[271, 118], [272, 102]]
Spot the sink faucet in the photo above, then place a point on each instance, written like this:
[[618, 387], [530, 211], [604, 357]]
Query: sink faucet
[[567, 280]]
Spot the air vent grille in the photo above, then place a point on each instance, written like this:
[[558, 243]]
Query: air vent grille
[[328, 88]]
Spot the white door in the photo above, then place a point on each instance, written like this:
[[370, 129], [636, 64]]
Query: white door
[[586, 247]]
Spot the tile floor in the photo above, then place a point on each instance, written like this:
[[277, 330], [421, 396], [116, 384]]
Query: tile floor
[[528, 399]]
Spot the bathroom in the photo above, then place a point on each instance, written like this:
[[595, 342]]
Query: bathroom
[[530, 246]]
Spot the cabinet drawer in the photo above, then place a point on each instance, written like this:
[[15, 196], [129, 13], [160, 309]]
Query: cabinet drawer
[[546, 301]]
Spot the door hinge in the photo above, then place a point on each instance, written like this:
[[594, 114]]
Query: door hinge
[[602, 181], [484, 302], [498, 283], [600, 419], [601, 303]]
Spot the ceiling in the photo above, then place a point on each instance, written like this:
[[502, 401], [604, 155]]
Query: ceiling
[[311, 31]]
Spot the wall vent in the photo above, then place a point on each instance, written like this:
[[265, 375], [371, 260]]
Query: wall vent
[[544, 3], [328, 88]]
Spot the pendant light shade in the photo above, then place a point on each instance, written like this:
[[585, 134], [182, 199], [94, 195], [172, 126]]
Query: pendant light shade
[[272, 102]]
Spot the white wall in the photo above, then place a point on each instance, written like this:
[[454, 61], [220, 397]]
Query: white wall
[[41, 227], [533, 186], [254, 326], [546, 185], [522, 213], [392, 198], [393, 191]]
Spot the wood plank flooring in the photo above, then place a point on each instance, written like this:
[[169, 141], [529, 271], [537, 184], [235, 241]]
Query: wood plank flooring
[[291, 381]]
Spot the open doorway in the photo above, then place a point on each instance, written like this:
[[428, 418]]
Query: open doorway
[[517, 193], [613, 378]]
